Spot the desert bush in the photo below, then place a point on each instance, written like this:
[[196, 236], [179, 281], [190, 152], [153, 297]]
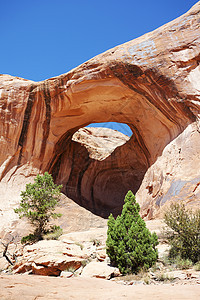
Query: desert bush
[[182, 263], [38, 204], [29, 239], [197, 266], [53, 234], [184, 233], [130, 245], [164, 277]]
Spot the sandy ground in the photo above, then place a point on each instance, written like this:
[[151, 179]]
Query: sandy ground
[[32, 287]]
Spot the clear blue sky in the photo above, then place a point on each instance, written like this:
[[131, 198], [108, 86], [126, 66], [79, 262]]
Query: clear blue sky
[[45, 38]]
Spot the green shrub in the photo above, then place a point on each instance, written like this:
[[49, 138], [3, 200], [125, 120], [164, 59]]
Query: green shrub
[[38, 203], [184, 234], [182, 263], [197, 266], [177, 262], [29, 239], [53, 234], [130, 245], [164, 277]]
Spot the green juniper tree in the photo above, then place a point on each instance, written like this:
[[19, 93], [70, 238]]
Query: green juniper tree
[[130, 245], [38, 204]]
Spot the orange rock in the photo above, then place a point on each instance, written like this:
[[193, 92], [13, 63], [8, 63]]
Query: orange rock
[[45, 271], [22, 267], [150, 83], [47, 258]]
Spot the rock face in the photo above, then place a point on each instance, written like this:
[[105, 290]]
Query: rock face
[[151, 83], [49, 258], [174, 176]]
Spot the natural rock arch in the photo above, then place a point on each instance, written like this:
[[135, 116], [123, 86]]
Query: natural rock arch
[[101, 186], [149, 84]]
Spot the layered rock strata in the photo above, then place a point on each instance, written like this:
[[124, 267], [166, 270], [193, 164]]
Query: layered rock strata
[[151, 83]]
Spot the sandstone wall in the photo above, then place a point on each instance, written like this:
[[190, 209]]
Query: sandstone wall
[[151, 83]]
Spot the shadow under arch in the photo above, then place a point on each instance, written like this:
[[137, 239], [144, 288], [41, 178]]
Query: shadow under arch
[[98, 182]]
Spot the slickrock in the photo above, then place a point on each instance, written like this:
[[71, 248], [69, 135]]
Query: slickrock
[[175, 176], [49, 258], [70, 254], [151, 83], [48, 288]]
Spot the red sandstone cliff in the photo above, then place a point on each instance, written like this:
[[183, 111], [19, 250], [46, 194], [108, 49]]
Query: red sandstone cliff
[[151, 83]]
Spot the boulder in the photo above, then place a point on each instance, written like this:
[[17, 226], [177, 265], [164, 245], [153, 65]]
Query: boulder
[[48, 258], [65, 274], [100, 270], [101, 255]]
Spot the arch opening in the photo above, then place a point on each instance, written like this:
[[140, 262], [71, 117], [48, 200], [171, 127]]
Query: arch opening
[[101, 139], [121, 127], [98, 166]]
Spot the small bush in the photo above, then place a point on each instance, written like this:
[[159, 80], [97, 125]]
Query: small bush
[[29, 239], [182, 263], [164, 277], [197, 266], [53, 234], [184, 234], [130, 245], [176, 262]]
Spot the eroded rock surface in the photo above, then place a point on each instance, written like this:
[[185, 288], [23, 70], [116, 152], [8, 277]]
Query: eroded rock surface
[[151, 83], [69, 256], [174, 176], [49, 258]]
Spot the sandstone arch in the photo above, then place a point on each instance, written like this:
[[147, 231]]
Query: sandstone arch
[[150, 83]]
